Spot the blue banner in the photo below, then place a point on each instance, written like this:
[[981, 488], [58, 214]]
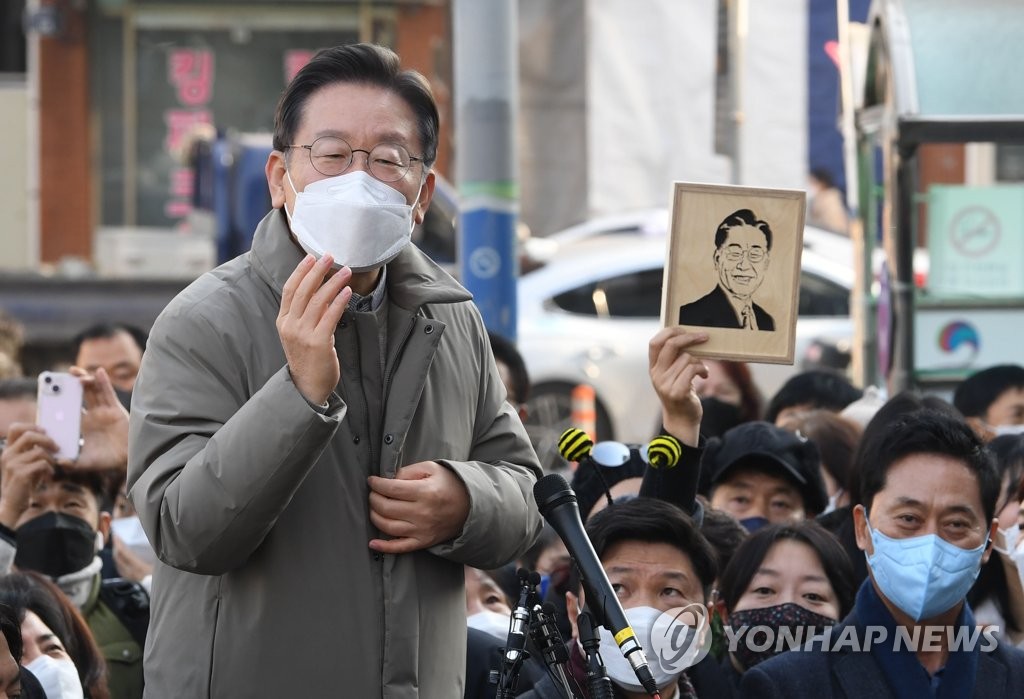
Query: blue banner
[[488, 265]]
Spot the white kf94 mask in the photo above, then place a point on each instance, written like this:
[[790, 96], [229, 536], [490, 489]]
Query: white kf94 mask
[[357, 219]]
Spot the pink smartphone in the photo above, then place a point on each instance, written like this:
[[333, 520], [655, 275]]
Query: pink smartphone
[[59, 411]]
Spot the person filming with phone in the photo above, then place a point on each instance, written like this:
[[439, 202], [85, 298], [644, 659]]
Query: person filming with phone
[[54, 483], [320, 439]]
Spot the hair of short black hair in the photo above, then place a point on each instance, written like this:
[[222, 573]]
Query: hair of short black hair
[[10, 626], [505, 351], [738, 218], [18, 389], [836, 438], [103, 331], [658, 522], [748, 558], [724, 533], [102, 484], [1008, 450], [818, 388], [367, 64], [976, 394], [928, 432], [903, 403]]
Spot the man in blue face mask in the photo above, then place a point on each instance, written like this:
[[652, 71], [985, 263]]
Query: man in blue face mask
[[929, 490]]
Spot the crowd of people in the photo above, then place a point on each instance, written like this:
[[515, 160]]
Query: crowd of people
[[76, 569], [893, 524], [311, 478]]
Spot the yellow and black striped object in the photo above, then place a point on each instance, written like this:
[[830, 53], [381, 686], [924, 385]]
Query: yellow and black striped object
[[574, 444], [664, 452]]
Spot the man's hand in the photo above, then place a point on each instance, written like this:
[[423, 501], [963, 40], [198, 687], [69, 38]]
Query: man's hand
[[104, 425], [129, 566], [310, 311], [424, 505], [26, 460], [672, 371]]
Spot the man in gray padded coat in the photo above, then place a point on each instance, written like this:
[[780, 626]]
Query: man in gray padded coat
[[320, 441]]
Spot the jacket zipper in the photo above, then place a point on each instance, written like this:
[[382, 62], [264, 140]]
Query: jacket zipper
[[384, 403], [366, 403]]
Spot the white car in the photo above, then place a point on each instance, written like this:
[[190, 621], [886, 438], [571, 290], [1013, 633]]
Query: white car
[[588, 314]]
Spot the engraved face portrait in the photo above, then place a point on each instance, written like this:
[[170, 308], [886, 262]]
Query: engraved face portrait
[[742, 254], [733, 267], [742, 260]]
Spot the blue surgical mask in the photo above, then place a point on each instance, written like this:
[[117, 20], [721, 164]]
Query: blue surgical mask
[[752, 524], [923, 575]]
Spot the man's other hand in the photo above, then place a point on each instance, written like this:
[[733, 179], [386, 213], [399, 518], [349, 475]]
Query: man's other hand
[[424, 505]]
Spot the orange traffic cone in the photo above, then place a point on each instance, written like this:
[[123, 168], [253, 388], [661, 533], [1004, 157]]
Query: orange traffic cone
[[584, 409]]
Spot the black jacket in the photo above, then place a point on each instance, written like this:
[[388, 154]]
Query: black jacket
[[714, 311], [846, 674]]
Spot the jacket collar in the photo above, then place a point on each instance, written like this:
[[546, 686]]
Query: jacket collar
[[902, 671], [413, 279]]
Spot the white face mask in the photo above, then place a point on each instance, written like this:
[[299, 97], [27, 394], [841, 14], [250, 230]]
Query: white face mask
[[833, 499], [129, 531], [619, 670], [360, 221], [59, 678], [1003, 430], [1014, 549], [493, 623]]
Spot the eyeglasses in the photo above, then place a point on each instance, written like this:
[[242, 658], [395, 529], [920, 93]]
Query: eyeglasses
[[734, 253], [332, 156]]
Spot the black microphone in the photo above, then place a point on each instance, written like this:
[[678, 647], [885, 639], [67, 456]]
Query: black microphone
[[547, 640], [514, 654], [557, 504], [528, 581]]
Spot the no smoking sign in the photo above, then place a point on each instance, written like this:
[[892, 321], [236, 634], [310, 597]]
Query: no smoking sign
[[975, 231]]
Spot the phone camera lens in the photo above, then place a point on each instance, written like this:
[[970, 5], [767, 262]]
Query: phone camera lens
[[56, 389], [48, 379]]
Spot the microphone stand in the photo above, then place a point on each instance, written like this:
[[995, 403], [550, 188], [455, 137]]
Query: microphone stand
[[599, 686], [549, 642], [514, 653]]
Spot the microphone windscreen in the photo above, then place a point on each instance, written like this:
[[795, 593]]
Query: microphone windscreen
[[574, 444], [664, 452], [551, 490]]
